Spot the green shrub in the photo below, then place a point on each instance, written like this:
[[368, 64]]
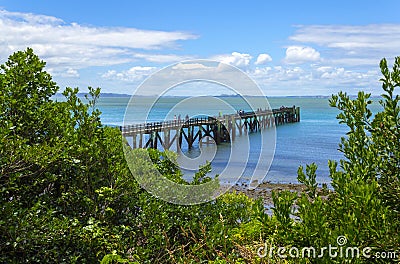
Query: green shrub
[[68, 194], [363, 206]]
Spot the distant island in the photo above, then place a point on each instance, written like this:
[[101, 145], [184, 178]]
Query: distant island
[[115, 95], [101, 95]]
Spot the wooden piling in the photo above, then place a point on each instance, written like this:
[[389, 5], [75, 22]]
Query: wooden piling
[[221, 129]]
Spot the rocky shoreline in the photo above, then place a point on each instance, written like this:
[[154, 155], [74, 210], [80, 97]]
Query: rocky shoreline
[[264, 190]]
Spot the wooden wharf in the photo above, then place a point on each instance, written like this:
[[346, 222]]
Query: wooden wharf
[[223, 128]]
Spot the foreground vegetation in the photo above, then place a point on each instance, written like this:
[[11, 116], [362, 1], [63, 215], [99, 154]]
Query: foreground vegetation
[[67, 194]]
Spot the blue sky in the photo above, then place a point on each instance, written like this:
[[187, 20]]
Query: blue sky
[[287, 47]]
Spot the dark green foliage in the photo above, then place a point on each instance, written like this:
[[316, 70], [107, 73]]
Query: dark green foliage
[[364, 204], [25, 91], [385, 133], [68, 194], [283, 208], [309, 179]]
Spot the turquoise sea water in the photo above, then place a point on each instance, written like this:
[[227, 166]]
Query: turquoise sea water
[[314, 139]]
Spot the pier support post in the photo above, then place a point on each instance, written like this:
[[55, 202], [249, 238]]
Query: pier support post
[[221, 129], [134, 141], [233, 128], [298, 114], [177, 139], [140, 140]]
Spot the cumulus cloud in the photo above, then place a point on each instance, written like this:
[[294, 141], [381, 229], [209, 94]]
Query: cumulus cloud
[[263, 58], [63, 72], [70, 73], [237, 59], [299, 54], [72, 46], [314, 79], [329, 74], [134, 74]]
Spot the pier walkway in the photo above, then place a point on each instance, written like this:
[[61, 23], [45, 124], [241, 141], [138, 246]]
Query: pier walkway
[[219, 129]]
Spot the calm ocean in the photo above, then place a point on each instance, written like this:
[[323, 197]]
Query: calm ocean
[[314, 139]]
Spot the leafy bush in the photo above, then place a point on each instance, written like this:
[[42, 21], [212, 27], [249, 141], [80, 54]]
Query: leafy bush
[[68, 195], [363, 206]]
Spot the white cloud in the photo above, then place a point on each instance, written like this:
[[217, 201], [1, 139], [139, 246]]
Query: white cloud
[[351, 45], [299, 54], [30, 18], [277, 74], [348, 53], [314, 80], [263, 58], [236, 59], [72, 46], [134, 74], [63, 72], [354, 61], [162, 58], [71, 73], [328, 74], [190, 66], [375, 36], [351, 56], [262, 71]]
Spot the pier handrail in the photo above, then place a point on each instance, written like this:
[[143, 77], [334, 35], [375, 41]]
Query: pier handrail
[[177, 123]]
